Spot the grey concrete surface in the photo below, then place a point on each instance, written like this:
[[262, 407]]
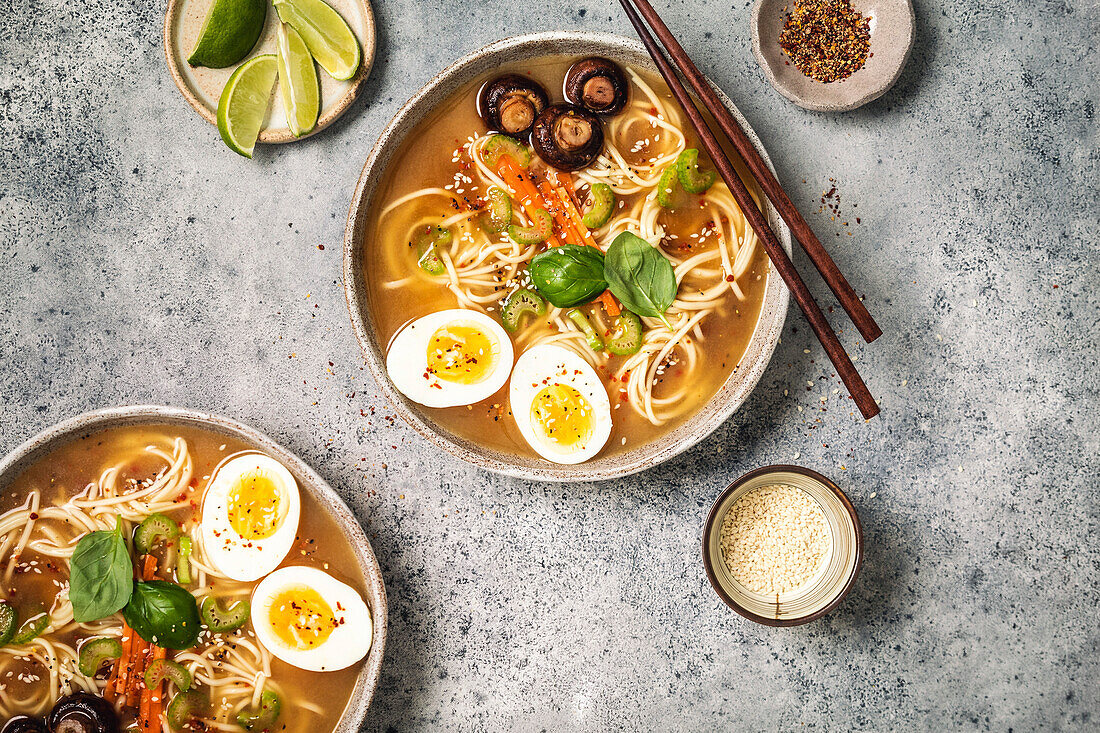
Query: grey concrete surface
[[141, 261]]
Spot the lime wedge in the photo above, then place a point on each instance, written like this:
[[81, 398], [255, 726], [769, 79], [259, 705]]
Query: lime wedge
[[327, 36], [243, 105], [298, 83], [229, 32]]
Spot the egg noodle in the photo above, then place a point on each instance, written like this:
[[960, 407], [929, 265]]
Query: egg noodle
[[483, 269], [233, 668]]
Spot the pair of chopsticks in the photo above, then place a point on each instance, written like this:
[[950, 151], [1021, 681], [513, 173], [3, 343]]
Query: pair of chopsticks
[[851, 303]]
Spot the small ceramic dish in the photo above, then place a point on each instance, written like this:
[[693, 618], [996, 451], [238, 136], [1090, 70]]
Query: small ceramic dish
[[734, 391], [90, 423], [893, 28], [202, 87], [829, 585]]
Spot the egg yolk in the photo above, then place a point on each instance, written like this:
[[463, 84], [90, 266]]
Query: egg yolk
[[461, 353], [254, 506], [301, 618], [563, 414]]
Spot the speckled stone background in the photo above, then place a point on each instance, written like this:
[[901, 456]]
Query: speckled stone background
[[141, 261]]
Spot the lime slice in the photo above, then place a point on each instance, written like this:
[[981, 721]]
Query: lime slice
[[243, 105], [327, 36], [229, 32], [298, 83]]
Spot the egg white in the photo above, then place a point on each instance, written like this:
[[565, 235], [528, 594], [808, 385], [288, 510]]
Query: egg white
[[233, 555], [348, 642], [542, 366], [407, 361]]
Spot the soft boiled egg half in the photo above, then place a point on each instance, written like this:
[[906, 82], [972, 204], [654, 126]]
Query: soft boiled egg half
[[450, 358], [560, 404], [311, 620], [250, 514]]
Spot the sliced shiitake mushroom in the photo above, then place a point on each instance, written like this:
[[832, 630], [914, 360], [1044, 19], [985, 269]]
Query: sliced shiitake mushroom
[[567, 137], [597, 84], [510, 104], [82, 712]]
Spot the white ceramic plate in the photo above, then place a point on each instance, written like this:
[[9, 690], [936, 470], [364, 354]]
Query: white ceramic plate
[[202, 87]]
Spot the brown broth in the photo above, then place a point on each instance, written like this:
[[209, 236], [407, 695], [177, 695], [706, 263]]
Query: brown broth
[[425, 160], [321, 543]]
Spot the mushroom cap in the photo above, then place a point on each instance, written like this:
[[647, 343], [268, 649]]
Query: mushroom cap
[[23, 724], [82, 712], [567, 137], [597, 84], [510, 103]]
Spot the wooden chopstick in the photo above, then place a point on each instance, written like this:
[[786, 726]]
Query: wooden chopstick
[[825, 334], [771, 187]]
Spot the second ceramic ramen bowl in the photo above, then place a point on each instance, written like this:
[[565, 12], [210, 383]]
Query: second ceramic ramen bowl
[[481, 63]]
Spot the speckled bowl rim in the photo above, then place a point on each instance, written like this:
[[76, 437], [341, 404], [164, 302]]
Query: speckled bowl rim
[[711, 525], [368, 46], [68, 431], [734, 391]]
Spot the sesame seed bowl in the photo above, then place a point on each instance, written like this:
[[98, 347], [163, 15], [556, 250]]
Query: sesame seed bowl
[[782, 545]]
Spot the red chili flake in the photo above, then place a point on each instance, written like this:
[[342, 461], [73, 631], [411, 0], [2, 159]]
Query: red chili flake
[[828, 40]]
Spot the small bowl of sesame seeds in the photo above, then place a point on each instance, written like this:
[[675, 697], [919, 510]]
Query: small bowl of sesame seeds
[[782, 545]]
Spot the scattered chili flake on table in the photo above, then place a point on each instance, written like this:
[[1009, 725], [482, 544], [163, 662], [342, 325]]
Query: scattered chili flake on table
[[828, 40]]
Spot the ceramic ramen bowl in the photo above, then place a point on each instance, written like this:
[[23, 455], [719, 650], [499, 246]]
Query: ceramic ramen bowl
[[64, 433], [730, 396]]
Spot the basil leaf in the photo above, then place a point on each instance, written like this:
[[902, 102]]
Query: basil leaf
[[163, 613], [568, 275], [101, 575], [640, 276]]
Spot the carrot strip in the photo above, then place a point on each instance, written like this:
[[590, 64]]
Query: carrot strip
[[126, 660], [137, 681], [145, 651], [610, 304], [558, 212], [143, 710], [109, 691], [151, 699], [509, 170], [149, 568], [564, 179], [576, 218]]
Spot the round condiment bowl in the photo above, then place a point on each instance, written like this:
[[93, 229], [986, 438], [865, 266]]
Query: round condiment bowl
[[893, 30], [829, 585], [734, 391], [81, 426]]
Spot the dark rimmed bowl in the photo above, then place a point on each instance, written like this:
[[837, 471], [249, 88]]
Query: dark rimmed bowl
[[827, 588], [718, 409], [18, 460]]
